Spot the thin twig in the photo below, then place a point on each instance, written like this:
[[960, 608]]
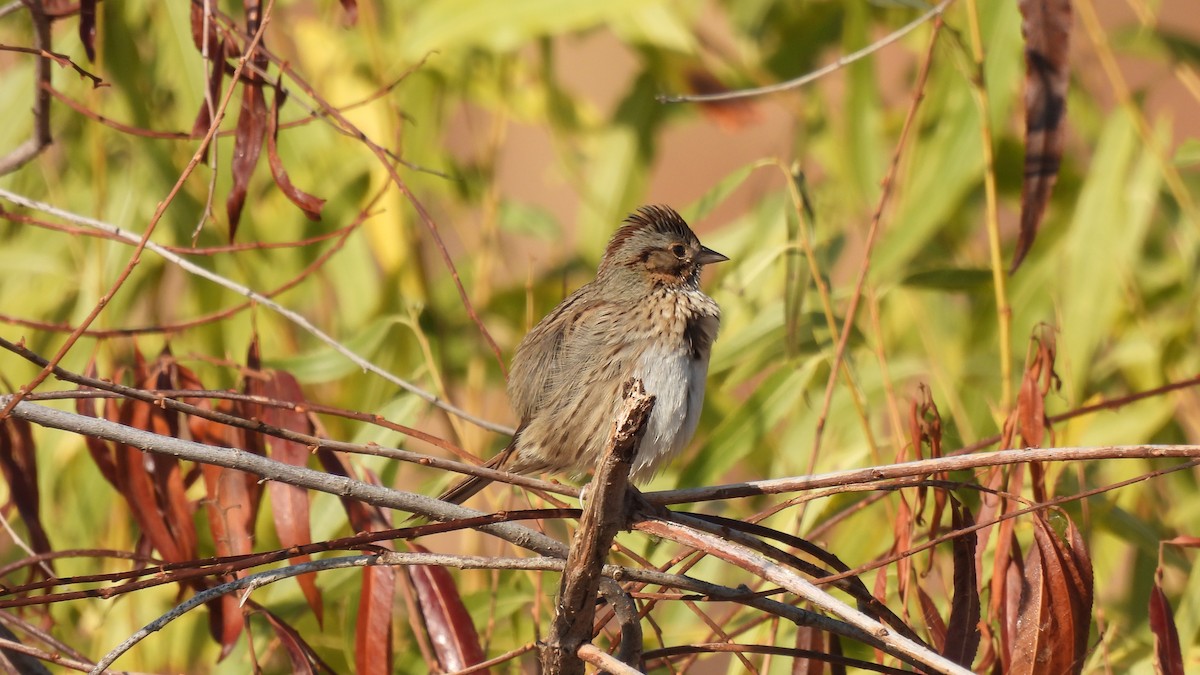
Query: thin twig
[[816, 74], [144, 240], [922, 467], [604, 661], [869, 246], [736, 554], [295, 317], [40, 137]]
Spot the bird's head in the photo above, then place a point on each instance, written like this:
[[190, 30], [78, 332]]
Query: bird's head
[[655, 244]]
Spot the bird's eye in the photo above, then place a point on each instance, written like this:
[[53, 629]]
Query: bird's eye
[[679, 250]]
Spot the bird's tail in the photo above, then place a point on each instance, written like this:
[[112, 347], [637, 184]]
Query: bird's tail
[[471, 485]]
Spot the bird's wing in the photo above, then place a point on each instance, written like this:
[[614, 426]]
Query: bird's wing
[[558, 350]]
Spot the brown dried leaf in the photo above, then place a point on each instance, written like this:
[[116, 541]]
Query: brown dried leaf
[[290, 503], [18, 460], [447, 621], [310, 205], [136, 474], [1055, 609], [730, 115], [99, 449], [87, 28], [1046, 26], [963, 634], [247, 145], [232, 500], [351, 9], [303, 657], [216, 46], [372, 640], [1168, 653], [933, 620], [204, 118], [373, 636]]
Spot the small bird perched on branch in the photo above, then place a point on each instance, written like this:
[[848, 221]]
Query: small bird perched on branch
[[643, 316]]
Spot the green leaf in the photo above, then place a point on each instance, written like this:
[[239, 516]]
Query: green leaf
[[949, 279], [323, 364], [529, 219], [1188, 154]]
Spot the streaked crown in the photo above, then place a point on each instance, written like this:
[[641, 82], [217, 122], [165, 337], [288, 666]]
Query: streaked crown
[[655, 241]]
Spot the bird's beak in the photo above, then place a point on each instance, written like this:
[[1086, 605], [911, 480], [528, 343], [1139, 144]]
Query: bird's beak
[[708, 256]]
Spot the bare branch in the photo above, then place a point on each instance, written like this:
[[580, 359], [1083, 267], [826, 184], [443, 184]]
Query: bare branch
[[924, 467], [33, 146], [816, 74], [607, 512], [292, 316], [743, 557], [604, 661]]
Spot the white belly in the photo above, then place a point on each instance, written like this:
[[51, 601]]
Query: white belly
[[677, 382]]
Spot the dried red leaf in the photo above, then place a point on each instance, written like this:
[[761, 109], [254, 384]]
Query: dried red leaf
[[730, 115], [373, 636], [231, 501], [1056, 599], [100, 450], [199, 36], [290, 504], [812, 640], [87, 28], [1046, 26], [310, 205], [204, 118], [18, 460], [1168, 653], [373, 645], [247, 145], [933, 620], [449, 625], [351, 9], [153, 485], [303, 657], [963, 634]]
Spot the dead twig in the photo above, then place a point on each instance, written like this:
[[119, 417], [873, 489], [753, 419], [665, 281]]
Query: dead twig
[[606, 513]]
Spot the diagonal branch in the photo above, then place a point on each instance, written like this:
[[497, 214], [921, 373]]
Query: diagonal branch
[[295, 317]]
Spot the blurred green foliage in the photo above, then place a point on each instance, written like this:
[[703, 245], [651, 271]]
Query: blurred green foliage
[[541, 118]]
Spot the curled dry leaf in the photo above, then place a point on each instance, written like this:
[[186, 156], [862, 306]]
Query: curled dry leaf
[[247, 145], [302, 656], [963, 634], [730, 115], [152, 485], [447, 620], [310, 205], [18, 460], [1046, 25], [289, 504], [351, 9], [373, 632], [231, 500], [1168, 653], [1056, 603], [87, 28]]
